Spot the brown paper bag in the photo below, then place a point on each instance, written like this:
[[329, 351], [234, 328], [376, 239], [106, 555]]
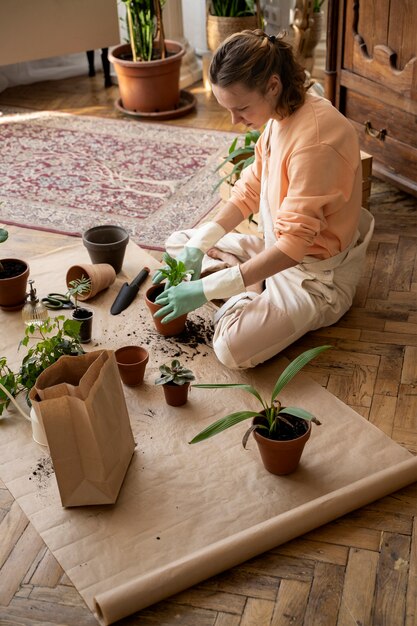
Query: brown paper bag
[[83, 409]]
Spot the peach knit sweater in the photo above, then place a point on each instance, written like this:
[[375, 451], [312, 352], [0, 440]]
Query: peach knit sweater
[[314, 181]]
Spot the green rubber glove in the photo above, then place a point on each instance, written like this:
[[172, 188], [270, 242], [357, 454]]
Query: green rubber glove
[[179, 300], [192, 259]]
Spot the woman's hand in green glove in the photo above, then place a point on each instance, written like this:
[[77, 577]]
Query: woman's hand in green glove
[[192, 259], [179, 300]]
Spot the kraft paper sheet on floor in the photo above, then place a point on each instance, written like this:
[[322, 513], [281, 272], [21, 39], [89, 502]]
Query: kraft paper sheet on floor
[[185, 512]]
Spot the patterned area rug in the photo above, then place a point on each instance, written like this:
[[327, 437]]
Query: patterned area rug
[[65, 173]]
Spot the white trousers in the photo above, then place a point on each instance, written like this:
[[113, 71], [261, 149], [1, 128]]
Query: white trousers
[[251, 328]]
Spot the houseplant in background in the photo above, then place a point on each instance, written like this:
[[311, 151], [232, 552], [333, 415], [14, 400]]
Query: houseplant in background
[[175, 380], [225, 17], [280, 432], [13, 280], [148, 67], [174, 272]]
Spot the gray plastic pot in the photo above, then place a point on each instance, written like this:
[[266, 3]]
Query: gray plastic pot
[[106, 244]]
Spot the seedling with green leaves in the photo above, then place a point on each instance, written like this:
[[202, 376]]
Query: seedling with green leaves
[[77, 287], [176, 374], [272, 412], [175, 272]]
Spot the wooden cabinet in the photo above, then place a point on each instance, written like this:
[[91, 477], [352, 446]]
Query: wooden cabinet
[[371, 77]]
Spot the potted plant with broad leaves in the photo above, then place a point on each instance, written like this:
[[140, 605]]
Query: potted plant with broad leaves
[[281, 432], [175, 379], [225, 17], [54, 338], [77, 287], [174, 272], [148, 67], [13, 280]]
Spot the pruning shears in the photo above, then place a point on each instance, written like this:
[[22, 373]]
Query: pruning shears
[[57, 301]]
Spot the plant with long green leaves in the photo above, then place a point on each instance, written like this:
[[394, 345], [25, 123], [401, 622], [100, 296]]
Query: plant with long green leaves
[[77, 287], [240, 156], [145, 28], [232, 8], [272, 412], [174, 272], [175, 373]]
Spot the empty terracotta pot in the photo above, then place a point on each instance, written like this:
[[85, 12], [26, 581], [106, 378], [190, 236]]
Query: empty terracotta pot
[[132, 361], [106, 244], [101, 275]]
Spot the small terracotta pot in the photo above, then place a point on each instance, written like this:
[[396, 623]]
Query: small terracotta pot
[[280, 457], [13, 287], [106, 244], [176, 395], [101, 275], [167, 330], [85, 316], [132, 361]]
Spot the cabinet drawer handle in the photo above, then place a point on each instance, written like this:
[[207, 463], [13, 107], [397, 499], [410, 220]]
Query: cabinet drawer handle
[[372, 132]]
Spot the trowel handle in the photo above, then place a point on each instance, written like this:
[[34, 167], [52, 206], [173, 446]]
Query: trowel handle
[[140, 278]]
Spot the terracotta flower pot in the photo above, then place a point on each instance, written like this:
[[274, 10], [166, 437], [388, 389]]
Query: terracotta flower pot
[[278, 456], [132, 361], [148, 86], [85, 316], [167, 330], [101, 275], [176, 395], [106, 244], [13, 284]]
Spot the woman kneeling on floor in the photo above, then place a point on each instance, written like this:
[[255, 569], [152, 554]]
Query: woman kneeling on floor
[[306, 184]]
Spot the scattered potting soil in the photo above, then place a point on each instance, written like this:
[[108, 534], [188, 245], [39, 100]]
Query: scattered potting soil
[[43, 471]]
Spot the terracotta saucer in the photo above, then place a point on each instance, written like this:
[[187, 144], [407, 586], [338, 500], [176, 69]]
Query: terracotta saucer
[[186, 104]]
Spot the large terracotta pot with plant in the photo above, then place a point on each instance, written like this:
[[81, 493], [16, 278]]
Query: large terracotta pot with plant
[[13, 280], [280, 432], [148, 67]]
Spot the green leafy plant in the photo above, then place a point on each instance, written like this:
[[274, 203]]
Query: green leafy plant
[[144, 25], [56, 337], [175, 271], [317, 4], [232, 8], [9, 380], [240, 156], [272, 412], [176, 373], [78, 286]]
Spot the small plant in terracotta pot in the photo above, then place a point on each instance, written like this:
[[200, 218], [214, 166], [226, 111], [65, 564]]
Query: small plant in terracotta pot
[[175, 379], [13, 280], [174, 272], [78, 287], [281, 432]]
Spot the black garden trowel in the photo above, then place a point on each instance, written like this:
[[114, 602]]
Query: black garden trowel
[[128, 292]]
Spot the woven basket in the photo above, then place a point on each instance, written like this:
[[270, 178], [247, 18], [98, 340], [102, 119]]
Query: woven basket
[[219, 28]]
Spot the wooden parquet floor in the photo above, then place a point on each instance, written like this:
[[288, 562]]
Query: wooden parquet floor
[[359, 570]]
